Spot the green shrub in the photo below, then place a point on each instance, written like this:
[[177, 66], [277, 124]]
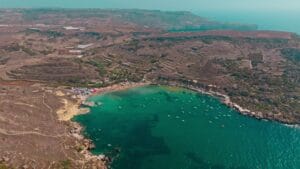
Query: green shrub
[[65, 164]]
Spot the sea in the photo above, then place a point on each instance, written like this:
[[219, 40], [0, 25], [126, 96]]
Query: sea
[[161, 127], [278, 20]]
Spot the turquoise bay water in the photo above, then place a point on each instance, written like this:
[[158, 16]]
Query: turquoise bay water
[[157, 127]]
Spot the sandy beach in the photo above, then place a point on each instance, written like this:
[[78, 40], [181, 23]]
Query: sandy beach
[[72, 108], [121, 86]]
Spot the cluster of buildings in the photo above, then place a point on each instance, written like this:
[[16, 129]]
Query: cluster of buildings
[[75, 50], [83, 91], [78, 50], [74, 28]]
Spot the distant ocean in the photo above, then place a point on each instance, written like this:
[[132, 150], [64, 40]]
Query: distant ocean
[[268, 20]]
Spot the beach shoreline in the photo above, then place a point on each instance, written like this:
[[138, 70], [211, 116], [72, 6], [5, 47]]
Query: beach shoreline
[[72, 107]]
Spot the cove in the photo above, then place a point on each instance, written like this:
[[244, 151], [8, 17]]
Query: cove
[[160, 127]]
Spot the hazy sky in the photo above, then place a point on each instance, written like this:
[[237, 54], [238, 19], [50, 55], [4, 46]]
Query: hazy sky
[[160, 4]]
